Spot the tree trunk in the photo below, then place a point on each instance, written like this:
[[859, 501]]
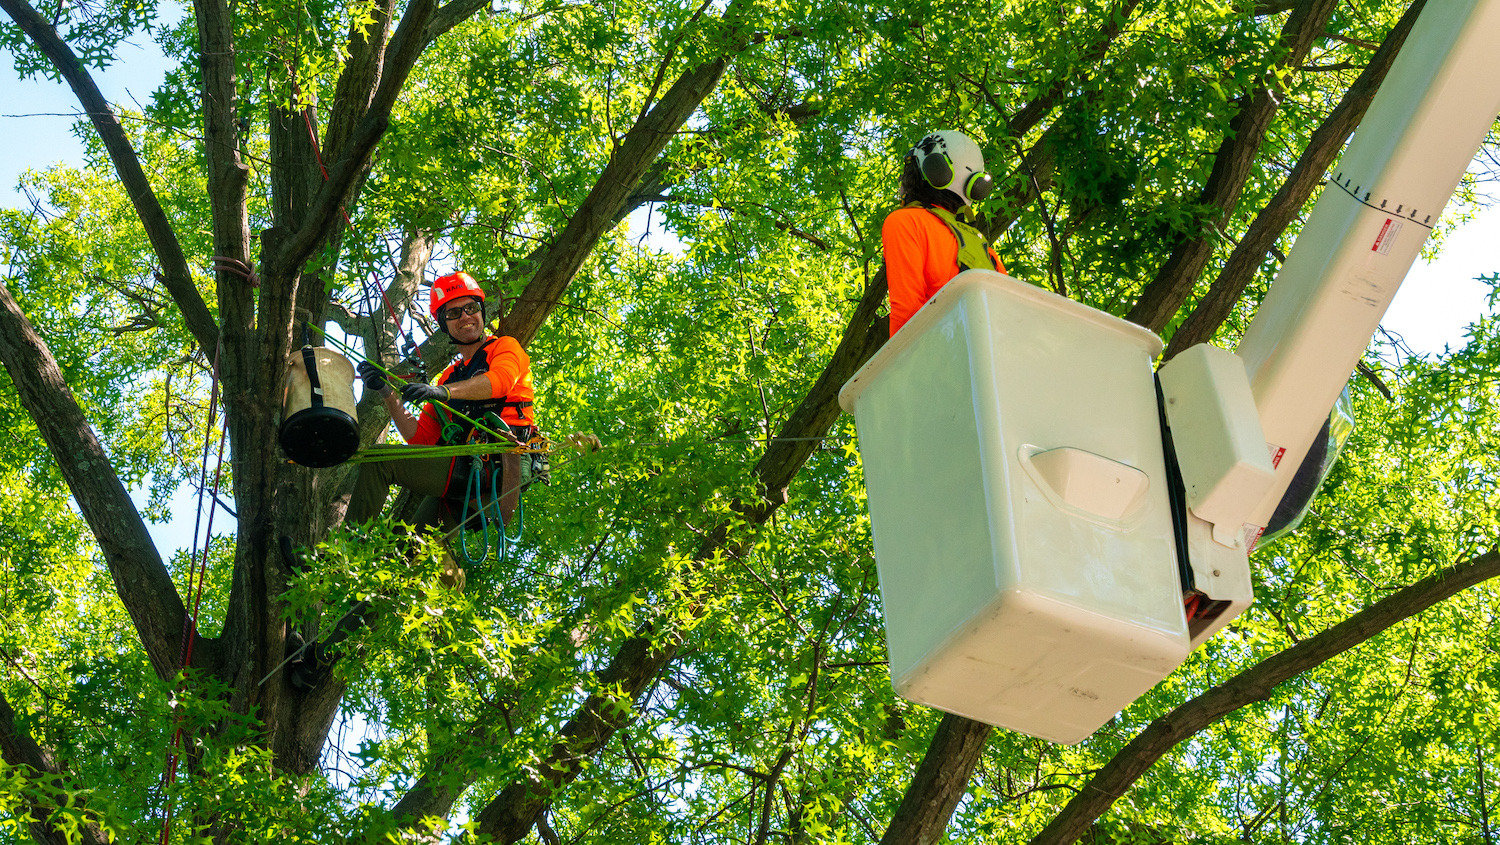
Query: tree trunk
[[940, 782]]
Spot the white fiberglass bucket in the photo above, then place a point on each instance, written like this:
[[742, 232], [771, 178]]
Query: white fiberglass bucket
[[1012, 454]]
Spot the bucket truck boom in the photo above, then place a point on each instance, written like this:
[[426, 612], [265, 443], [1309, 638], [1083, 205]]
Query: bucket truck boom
[[1435, 108]]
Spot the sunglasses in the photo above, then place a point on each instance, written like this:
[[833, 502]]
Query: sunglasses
[[461, 311]]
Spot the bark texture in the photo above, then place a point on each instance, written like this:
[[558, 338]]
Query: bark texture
[[941, 780]]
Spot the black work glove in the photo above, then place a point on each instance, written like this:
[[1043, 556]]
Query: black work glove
[[418, 392], [373, 378]]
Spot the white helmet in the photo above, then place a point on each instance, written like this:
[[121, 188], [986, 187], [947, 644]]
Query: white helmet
[[950, 160]]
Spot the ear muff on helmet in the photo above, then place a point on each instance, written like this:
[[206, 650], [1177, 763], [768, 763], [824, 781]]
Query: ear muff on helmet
[[980, 185], [937, 168]]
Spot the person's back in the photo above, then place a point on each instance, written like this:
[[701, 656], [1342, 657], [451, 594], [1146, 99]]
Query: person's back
[[926, 242]]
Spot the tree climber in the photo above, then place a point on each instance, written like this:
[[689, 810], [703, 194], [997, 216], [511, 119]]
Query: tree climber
[[931, 237], [492, 375]]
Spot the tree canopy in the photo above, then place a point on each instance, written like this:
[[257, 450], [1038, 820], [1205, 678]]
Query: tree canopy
[[678, 207]]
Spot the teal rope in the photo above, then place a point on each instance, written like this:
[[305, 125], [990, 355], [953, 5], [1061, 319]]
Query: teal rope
[[488, 521], [471, 494]]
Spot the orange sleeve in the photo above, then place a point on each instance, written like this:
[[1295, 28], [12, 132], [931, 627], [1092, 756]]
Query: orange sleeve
[[428, 430], [903, 241], [508, 365]]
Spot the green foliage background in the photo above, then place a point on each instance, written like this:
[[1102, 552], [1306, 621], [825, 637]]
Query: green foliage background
[[683, 350]]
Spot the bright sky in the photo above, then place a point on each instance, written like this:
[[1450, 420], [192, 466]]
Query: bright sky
[[1438, 300], [37, 117]]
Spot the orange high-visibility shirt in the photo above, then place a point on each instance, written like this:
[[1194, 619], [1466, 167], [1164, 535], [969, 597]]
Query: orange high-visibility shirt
[[506, 365], [921, 255]]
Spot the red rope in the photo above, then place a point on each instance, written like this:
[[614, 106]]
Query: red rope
[[1190, 605], [190, 620], [312, 137]]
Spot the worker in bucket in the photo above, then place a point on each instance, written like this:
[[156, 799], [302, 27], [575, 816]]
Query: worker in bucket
[[931, 237], [489, 380]]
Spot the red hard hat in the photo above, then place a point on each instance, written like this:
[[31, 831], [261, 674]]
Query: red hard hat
[[453, 286]]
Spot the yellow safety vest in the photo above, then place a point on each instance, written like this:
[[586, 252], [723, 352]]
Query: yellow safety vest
[[973, 248]]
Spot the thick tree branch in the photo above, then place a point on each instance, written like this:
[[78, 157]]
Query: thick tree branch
[[360, 77], [1253, 685], [294, 174], [1166, 293], [354, 157], [175, 274], [639, 149], [941, 780], [449, 15], [244, 359], [1306, 175], [226, 177], [21, 751], [140, 577]]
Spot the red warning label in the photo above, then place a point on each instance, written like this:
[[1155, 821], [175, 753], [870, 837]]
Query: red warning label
[[1277, 452], [1253, 537], [1386, 237]]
